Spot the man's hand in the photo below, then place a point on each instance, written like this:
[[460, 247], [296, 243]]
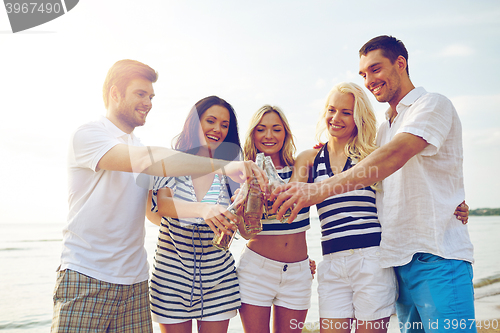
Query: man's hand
[[295, 195], [243, 170], [462, 212]]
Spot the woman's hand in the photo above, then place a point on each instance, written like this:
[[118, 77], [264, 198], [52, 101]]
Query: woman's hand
[[217, 218], [462, 212], [312, 267]]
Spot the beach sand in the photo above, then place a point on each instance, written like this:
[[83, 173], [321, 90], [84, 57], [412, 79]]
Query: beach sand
[[481, 327], [487, 316]]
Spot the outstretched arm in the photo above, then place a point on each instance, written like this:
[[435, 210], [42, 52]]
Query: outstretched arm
[[378, 165], [159, 161]]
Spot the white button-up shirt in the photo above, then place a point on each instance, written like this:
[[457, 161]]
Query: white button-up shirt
[[417, 202]]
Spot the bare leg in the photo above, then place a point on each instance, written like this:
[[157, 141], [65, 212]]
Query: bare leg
[[328, 325], [213, 326], [184, 327], [255, 319], [287, 320], [372, 326]]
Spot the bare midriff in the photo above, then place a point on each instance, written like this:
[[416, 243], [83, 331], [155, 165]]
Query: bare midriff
[[283, 248]]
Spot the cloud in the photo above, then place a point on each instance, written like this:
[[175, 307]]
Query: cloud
[[488, 138], [351, 75], [320, 83], [478, 111], [456, 50]]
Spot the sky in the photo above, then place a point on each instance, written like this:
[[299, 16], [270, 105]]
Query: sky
[[283, 53]]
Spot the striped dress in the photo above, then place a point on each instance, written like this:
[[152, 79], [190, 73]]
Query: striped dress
[[276, 227], [349, 220], [191, 278]]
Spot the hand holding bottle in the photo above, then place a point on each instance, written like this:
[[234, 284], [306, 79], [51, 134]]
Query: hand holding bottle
[[274, 181]]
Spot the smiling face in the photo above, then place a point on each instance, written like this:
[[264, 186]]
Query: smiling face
[[269, 135], [214, 126], [382, 77], [339, 116], [135, 105]]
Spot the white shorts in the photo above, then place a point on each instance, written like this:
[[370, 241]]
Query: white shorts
[[351, 284], [218, 317], [264, 282]]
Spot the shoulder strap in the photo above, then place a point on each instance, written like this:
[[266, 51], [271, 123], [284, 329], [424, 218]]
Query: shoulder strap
[[313, 172]]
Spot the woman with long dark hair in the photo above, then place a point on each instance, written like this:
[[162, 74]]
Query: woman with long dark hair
[[191, 278]]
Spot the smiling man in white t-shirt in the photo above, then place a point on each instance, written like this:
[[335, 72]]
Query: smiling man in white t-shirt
[[102, 282]]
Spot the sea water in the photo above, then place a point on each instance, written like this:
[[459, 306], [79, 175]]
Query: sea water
[[29, 257]]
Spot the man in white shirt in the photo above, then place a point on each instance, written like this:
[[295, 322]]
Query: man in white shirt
[[420, 163], [102, 282]]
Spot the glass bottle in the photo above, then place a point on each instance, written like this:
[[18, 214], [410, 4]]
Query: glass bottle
[[223, 240], [254, 203], [259, 160], [274, 181]]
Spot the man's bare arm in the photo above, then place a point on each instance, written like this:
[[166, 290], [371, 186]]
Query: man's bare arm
[[159, 161], [378, 165]]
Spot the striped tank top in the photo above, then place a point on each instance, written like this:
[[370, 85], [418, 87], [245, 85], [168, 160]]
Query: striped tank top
[[301, 222], [348, 220], [191, 279]]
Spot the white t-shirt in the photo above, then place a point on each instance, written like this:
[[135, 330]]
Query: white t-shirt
[[417, 202], [104, 237]]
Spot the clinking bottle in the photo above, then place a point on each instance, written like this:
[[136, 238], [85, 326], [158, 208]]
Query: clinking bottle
[[274, 181], [254, 203], [223, 240], [248, 206]]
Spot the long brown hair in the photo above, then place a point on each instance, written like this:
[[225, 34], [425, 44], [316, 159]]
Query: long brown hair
[[189, 141]]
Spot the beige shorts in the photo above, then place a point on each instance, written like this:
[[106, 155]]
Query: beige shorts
[[82, 303], [351, 284], [264, 282]]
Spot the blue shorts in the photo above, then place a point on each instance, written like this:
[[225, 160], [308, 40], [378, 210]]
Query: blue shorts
[[435, 295]]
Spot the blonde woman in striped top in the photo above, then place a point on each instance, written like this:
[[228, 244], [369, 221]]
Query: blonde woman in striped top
[[274, 269]]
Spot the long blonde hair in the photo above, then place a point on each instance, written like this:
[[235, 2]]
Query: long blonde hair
[[287, 152], [362, 142]]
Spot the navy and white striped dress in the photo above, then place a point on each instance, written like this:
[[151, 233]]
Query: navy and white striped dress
[[349, 220], [276, 227], [191, 278]]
